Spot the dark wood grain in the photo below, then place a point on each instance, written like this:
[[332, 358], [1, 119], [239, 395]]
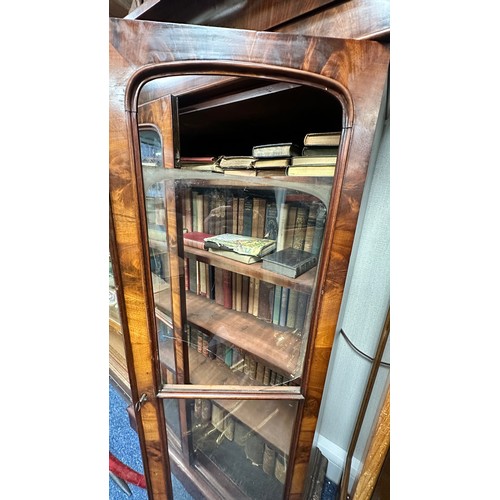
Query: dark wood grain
[[355, 72], [360, 19]]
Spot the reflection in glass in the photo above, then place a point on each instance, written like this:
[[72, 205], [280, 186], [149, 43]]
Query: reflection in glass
[[113, 300]]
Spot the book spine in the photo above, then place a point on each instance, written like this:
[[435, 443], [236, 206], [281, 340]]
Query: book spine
[[238, 293], [186, 274], [193, 275], [259, 217], [277, 304], [271, 224], [266, 301], [202, 266], [219, 294], [247, 216], [310, 226], [299, 234], [244, 293], [318, 230], [302, 305], [284, 306], [290, 226], [234, 212], [206, 198], [233, 290], [241, 215], [227, 288], [282, 218], [292, 308], [188, 208], [251, 292], [255, 308], [211, 282]]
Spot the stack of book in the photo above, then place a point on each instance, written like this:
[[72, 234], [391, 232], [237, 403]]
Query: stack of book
[[319, 155], [200, 163]]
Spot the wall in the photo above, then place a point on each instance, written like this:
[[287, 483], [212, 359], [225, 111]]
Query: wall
[[362, 317]]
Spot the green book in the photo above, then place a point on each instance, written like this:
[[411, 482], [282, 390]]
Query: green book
[[245, 245], [247, 216], [277, 304]]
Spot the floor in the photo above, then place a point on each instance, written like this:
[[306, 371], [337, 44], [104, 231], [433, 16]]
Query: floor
[[124, 444]]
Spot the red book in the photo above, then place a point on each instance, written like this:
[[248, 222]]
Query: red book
[[196, 239]]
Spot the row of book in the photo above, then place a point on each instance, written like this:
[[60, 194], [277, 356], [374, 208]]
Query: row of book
[[260, 453], [296, 222], [234, 358], [318, 157], [266, 301]]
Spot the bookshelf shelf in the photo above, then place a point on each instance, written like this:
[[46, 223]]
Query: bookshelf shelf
[[196, 99], [275, 346], [303, 283]]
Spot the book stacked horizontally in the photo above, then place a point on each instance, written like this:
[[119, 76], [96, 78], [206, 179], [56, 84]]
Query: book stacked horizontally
[[247, 249], [319, 155], [200, 163]]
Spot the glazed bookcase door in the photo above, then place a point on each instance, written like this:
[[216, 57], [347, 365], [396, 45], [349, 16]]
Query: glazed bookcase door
[[229, 381]]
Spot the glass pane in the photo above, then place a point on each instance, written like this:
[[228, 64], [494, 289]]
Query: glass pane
[[114, 314], [247, 441]]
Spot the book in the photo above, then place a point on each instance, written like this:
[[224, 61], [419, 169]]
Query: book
[[254, 449], [299, 232], [320, 151], [196, 239], [282, 218], [264, 172], [313, 161], [322, 139], [302, 303], [200, 163], [283, 306], [271, 163], [311, 171], [271, 223], [292, 308], [290, 226], [244, 293], [318, 230], [259, 217], [310, 227], [277, 304], [236, 162], [227, 289], [219, 286], [281, 149], [266, 301], [256, 292], [229, 254], [269, 460], [246, 245], [247, 216], [289, 262]]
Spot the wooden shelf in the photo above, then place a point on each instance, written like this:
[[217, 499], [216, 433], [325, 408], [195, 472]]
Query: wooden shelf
[[273, 345], [303, 283]]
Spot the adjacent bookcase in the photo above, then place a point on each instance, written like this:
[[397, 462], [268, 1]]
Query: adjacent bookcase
[[228, 359]]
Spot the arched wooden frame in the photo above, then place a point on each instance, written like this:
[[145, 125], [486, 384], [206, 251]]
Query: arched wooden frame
[[355, 72]]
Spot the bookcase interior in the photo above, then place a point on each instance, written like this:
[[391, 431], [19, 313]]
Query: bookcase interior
[[228, 116]]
